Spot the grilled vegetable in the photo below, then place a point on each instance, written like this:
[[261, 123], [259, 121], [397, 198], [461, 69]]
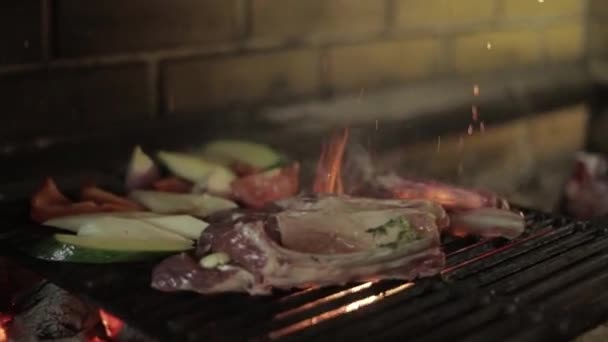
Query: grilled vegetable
[[141, 172], [172, 203], [88, 249], [244, 156], [214, 177], [184, 225], [260, 189], [134, 224]]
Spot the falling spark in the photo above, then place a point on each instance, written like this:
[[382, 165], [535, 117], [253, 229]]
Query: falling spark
[[475, 113], [439, 143], [482, 127], [460, 143], [361, 94], [376, 124], [460, 169], [541, 1], [476, 90], [470, 129], [489, 46]]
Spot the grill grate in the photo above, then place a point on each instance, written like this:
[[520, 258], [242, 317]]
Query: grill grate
[[545, 285]]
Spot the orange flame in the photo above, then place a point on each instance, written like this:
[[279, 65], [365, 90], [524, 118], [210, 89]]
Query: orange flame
[[112, 324], [4, 320], [328, 178]]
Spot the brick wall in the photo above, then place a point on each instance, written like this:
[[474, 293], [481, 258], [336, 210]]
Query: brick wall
[[66, 62]]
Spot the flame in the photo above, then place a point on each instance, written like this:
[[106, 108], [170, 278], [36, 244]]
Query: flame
[[354, 306], [328, 178], [4, 320], [112, 324]]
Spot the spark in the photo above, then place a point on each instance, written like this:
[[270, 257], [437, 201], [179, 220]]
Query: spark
[[460, 143], [489, 46], [482, 127], [475, 113], [476, 90], [439, 143], [361, 94], [376, 124], [470, 130]]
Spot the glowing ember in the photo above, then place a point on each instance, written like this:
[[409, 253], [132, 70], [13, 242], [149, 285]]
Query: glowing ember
[[354, 306], [476, 90], [328, 177], [112, 324], [470, 130]]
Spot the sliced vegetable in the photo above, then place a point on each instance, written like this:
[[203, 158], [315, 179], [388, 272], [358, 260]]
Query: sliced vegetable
[[74, 222], [215, 177], [214, 260], [184, 225], [48, 202], [87, 249], [128, 229], [172, 184], [141, 172], [102, 197], [260, 189], [172, 203], [243, 156]]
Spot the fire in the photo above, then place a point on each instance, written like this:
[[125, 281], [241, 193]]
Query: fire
[[112, 324], [4, 320], [328, 178]]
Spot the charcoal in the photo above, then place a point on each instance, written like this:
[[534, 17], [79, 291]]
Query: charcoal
[[49, 313]]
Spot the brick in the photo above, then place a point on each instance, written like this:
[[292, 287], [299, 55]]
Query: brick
[[215, 83], [377, 64], [514, 9], [295, 18], [564, 43], [114, 26], [508, 49], [438, 13], [73, 96], [597, 38], [598, 8], [20, 32]]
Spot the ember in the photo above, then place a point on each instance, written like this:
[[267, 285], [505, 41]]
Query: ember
[[112, 325]]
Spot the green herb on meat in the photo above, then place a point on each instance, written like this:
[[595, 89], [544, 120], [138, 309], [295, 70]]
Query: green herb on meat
[[406, 233]]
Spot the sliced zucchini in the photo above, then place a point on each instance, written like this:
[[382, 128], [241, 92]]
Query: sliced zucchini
[[74, 222], [256, 155], [174, 203], [212, 176], [184, 225], [124, 228], [86, 249]]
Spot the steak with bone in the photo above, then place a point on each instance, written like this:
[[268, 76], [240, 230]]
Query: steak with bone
[[304, 241]]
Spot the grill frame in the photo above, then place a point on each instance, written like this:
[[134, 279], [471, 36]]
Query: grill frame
[[536, 287]]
